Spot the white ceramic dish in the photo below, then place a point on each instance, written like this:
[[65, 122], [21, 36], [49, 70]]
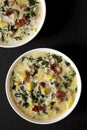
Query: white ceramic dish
[[65, 113], [39, 21]]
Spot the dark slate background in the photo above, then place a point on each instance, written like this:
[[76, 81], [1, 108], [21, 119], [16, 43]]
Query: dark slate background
[[65, 29]]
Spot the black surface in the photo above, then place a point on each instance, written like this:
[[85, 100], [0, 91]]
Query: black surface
[[65, 29]]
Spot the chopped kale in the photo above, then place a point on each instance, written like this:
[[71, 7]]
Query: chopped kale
[[2, 38], [51, 83], [18, 94], [56, 84], [27, 16], [52, 104], [12, 28], [31, 59], [22, 88], [34, 84], [66, 85], [32, 12], [39, 59], [6, 2], [73, 73], [45, 112], [2, 8], [53, 95], [36, 66], [76, 89], [34, 98], [58, 58], [16, 2], [18, 38], [23, 58], [35, 72], [43, 95], [45, 63], [24, 97], [25, 104], [67, 81], [17, 11], [24, 94], [12, 73], [67, 78], [14, 87], [27, 9], [38, 94], [32, 2], [67, 63]]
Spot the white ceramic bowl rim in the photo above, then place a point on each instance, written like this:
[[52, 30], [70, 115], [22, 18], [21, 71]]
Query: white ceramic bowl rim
[[23, 42], [63, 115]]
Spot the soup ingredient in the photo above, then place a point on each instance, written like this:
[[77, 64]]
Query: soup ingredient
[[43, 84], [17, 19]]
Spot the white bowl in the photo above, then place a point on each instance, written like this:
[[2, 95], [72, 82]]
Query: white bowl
[[39, 23], [61, 116]]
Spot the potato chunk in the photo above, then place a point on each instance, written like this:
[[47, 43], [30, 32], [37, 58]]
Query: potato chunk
[[22, 2], [40, 75], [70, 101], [3, 24], [49, 77], [30, 86], [21, 75], [45, 91]]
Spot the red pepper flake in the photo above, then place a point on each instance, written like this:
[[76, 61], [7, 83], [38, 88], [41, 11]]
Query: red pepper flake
[[55, 67], [42, 84], [21, 22], [41, 107], [38, 108], [9, 12], [27, 77], [35, 108], [60, 94]]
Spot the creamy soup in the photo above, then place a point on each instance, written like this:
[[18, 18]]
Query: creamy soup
[[19, 20], [43, 85]]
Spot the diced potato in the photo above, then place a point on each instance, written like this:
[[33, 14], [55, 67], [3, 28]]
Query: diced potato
[[49, 77], [21, 75], [30, 86], [31, 104], [17, 83], [45, 91], [70, 101], [48, 103], [22, 2], [48, 90], [3, 24], [40, 75]]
